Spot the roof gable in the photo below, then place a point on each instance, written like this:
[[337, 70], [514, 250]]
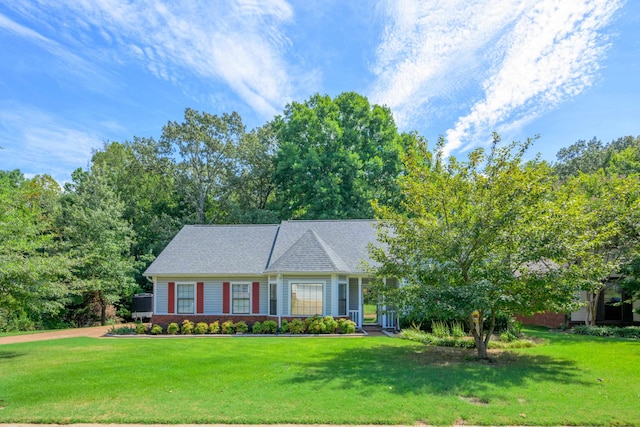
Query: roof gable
[[308, 254]]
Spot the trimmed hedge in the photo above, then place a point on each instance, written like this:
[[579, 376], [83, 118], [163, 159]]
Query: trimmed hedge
[[608, 331]]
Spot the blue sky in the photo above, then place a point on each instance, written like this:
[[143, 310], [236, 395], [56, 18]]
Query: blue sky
[[76, 74]]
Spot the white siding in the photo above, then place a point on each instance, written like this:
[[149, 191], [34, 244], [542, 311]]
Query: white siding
[[286, 309], [580, 315], [264, 297], [161, 297], [213, 297], [353, 294]]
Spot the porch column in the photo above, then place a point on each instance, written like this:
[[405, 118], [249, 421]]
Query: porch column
[[360, 304], [334, 295], [279, 296]]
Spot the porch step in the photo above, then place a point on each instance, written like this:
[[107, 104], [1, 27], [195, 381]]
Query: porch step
[[373, 330]]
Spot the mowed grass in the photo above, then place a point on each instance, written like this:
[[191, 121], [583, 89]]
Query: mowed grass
[[573, 380]]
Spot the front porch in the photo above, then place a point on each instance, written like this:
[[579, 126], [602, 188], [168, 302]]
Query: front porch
[[360, 296]]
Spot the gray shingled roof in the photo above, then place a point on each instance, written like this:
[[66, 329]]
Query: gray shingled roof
[[345, 243], [308, 253], [216, 249], [293, 246]]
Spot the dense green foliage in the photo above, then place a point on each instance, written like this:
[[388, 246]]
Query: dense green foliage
[[607, 331], [74, 256], [470, 238], [318, 381]]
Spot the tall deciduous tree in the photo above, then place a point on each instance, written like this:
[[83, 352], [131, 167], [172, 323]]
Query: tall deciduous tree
[[34, 271], [468, 240], [251, 192], [601, 231], [99, 240], [205, 145], [334, 156]]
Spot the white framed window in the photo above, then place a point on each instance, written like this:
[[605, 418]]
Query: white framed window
[[273, 299], [306, 299], [342, 299], [240, 298], [185, 296]]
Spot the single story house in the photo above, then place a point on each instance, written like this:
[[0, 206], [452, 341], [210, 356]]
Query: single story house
[[259, 272], [293, 269]]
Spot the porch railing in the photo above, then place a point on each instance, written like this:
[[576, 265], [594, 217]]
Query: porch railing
[[355, 316], [389, 319]]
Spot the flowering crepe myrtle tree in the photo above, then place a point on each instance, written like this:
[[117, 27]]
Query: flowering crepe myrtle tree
[[472, 239]]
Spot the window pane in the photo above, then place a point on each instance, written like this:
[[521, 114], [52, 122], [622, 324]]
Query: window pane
[[186, 296], [273, 299], [241, 299], [185, 291], [342, 299], [306, 299]]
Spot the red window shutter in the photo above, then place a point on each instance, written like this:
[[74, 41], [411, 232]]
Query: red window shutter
[[226, 296], [200, 298], [172, 298], [255, 294]]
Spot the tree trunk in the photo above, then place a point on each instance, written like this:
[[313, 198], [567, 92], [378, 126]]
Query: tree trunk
[[592, 307], [477, 329]]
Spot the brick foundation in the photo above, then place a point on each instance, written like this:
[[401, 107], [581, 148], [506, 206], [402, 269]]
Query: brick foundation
[[548, 319], [165, 319]]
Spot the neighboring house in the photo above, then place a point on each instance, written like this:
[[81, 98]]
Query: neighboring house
[[259, 272], [610, 311]]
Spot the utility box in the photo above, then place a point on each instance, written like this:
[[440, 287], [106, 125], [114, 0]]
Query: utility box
[[142, 306]]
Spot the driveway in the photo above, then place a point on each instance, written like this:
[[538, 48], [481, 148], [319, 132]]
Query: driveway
[[93, 332]]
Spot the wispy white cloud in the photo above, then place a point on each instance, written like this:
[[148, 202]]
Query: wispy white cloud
[[534, 55], [38, 143], [239, 44]]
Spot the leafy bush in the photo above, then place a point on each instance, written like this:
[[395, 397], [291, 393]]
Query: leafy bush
[[348, 327], [315, 325], [141, 328], [284, 326], [156, 330], [187, 327], [269, 327], [297, 326], [228, 327], [331, 324], [256, 328], [508, 337], [173, 328], [242, 327], [214, 328], [201, 328], [608, 331], [122, 330]]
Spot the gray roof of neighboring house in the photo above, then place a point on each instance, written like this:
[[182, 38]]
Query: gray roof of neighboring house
[[216, 249], [337, 246]]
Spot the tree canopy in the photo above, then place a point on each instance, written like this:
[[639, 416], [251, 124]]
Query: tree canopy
[[468, 238]]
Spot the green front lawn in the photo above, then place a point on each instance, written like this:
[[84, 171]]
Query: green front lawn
[[574, 380]]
